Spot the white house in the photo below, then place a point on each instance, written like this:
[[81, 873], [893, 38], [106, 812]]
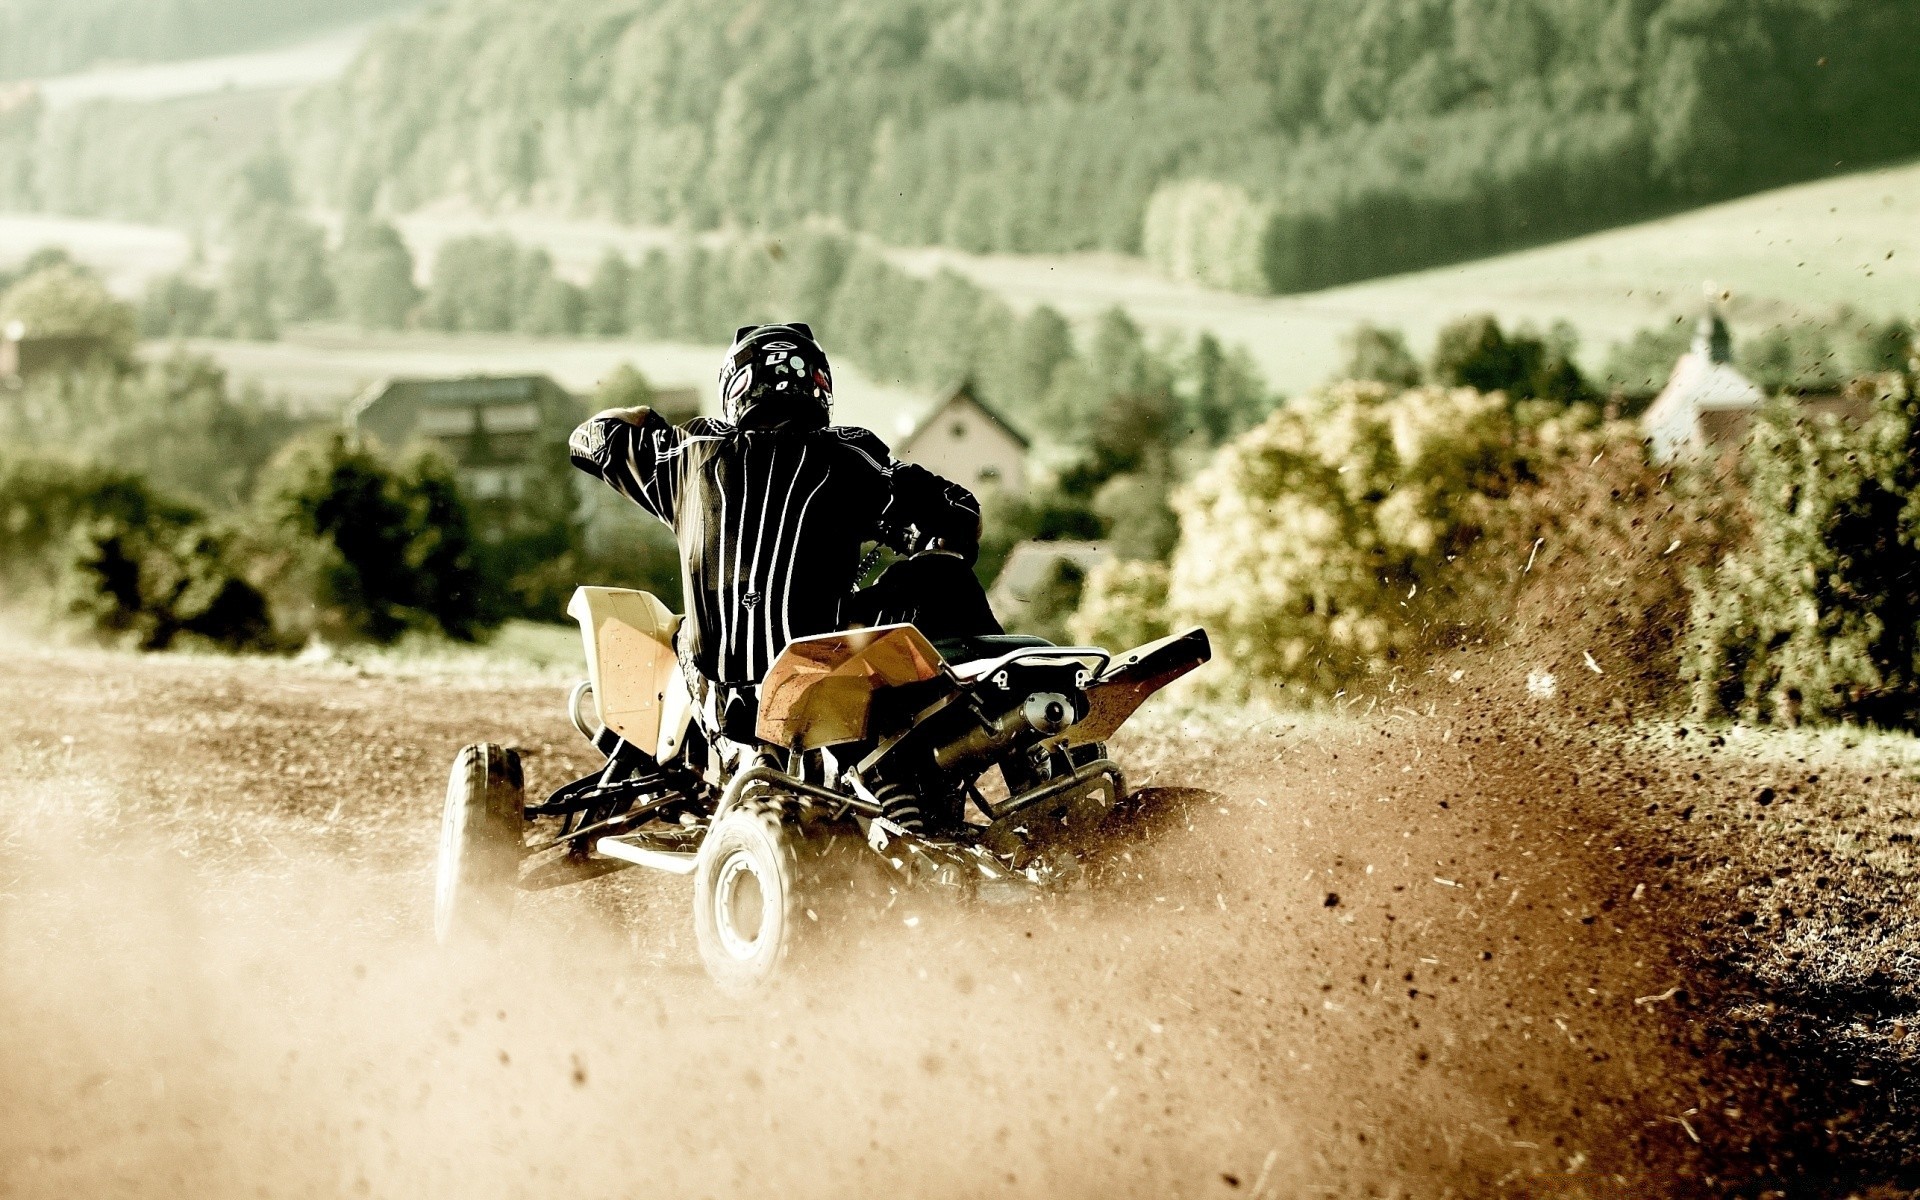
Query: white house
[[1706, 401], [962, 439]]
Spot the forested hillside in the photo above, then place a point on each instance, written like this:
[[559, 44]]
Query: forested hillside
[[1270, 145], [50, 37]]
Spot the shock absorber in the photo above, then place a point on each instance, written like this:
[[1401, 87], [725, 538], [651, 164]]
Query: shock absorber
[[900, 804]]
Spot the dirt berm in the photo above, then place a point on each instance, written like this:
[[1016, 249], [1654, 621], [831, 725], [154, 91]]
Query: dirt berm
[[1432, 950]]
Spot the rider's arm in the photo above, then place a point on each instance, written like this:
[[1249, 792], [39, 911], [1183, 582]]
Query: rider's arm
[[939, 510], [631, 449]]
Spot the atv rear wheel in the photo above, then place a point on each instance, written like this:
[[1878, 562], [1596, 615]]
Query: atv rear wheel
[[482, 839], [748, 910]]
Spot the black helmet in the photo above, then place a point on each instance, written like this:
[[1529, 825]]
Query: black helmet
[[776, 375]]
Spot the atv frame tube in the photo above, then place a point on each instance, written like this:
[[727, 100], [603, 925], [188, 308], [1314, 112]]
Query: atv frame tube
[[1078, 777]]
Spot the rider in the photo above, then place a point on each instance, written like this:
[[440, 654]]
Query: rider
[[770, 506]]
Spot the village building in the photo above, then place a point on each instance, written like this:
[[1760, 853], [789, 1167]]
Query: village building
[[1708, 406], [24, 354], [1707, 402], [961, 439], [499, 432]]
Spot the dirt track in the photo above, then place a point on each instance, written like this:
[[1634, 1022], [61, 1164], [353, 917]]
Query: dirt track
[[1415, 954]]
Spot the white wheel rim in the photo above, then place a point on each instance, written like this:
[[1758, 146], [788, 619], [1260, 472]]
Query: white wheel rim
[[738, 867]]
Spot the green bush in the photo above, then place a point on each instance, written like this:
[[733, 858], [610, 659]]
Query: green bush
[[126, 561], [1817, 615], [153, 583], [1124, 604], [1320, 547], [353, 546], [1381, 355]]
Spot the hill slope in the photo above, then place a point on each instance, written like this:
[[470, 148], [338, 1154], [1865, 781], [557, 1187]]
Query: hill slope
[[1261, 144], [1784, 256]]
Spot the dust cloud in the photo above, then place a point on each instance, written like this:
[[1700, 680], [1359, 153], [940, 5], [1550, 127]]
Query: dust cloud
[[1336, 957]]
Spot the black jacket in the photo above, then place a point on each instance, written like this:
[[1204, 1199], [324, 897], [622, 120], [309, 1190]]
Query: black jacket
[[770, 522]]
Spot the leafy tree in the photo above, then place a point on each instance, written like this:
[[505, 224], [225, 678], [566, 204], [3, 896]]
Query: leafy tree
[[1380, 355], [55, 37], [39, 260], [556, 309], [176, 306], [175, 422], [1817, 616], [277, 269], [1876, 347], [605, 303], [624, 387], [1642, 363], [1263, 144], [1134, 507], [650, 296], [381, 548], [1227, 393], [1039, 514], [1474, 352], [1042, 342], [373, 274], [472, 289]]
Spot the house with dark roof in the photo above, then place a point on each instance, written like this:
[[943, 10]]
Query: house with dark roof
[[497, 431], [24, 354], [962, 439]]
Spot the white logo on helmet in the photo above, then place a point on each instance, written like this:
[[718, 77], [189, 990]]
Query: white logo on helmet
[[737, 386]]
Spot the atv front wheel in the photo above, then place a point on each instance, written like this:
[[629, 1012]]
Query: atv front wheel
[[482, 838], [747, 908]]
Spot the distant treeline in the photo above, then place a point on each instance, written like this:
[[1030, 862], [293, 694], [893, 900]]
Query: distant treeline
[[52, 37], [924, 332], [173, 162], [1260, 144]]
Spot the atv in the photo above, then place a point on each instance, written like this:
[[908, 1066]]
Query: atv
[[954, 765]]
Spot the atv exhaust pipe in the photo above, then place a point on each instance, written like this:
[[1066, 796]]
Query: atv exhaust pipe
[[1042, 713]]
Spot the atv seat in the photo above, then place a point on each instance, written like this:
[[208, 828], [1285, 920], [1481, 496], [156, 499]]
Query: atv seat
[[983, 646]]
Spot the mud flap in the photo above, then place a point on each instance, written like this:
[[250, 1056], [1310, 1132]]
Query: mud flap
[[1133, 677]]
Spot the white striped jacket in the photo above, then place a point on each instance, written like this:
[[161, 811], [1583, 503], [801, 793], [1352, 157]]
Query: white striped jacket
[[770, 522]]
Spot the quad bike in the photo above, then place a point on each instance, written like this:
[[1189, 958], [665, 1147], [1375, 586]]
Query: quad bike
[[950, 764]]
